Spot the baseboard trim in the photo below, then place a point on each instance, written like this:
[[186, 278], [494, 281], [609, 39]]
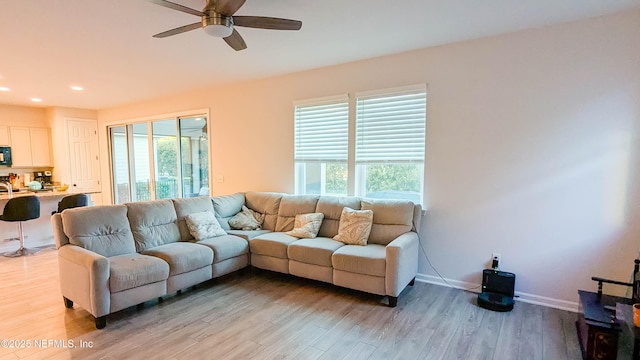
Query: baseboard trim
[[520, 296]]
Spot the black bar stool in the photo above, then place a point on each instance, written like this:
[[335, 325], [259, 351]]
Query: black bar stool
[[72, 201], [21, 209]]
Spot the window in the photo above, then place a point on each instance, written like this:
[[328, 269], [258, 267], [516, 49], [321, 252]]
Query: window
[[390, 144], [387, 142], [148, 162], [321, 146]]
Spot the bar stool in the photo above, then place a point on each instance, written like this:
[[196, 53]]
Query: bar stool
[[21, 209], [72, 201]]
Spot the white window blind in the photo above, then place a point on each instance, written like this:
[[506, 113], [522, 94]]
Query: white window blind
[[322, 131], [391, 127]]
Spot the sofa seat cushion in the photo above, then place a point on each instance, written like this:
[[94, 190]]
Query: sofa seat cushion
[[370, 259], [134, 270], [182, 256], [272, 244], [226, 247], [316, 251]]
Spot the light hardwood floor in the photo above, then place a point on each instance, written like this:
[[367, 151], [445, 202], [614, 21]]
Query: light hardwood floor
[[272, 316]]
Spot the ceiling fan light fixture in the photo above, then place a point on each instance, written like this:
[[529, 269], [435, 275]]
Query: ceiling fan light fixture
[[218, 26]]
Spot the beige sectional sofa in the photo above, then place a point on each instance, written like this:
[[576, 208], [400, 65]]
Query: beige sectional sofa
[[115, 256]]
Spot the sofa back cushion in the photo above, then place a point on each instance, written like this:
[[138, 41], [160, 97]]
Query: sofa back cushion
[[292, 205], [417, 217], [103, 229], [58, 230], [188, 206], [266, 203], [153, 223], [331, 207], [226, 206], [391, 218]]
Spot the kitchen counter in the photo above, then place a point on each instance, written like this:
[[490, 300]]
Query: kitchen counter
[[38, 231], [43, 194]]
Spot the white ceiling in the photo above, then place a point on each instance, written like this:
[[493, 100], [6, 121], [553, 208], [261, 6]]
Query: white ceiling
[[107, 46]]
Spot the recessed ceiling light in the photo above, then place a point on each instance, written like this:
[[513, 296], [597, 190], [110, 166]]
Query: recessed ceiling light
[[36, 99], [3, 88], [77, 88]]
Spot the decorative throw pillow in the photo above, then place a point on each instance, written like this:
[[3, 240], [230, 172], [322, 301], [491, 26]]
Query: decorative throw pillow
[[354, 226], [246, 219], [306, 225], [204, 225]]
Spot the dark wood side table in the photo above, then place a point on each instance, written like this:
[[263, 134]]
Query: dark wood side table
[[597, 327], [630, 334]]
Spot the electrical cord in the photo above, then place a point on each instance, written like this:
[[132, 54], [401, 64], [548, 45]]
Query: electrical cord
[[437, 272]]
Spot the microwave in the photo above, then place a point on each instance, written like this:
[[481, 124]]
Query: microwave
[[5, 155]]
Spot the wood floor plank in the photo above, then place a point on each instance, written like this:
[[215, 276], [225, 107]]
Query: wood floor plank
[[266, 315], [570, 335], [553, 337], [487, 336], [531, 333], [453, 316], [510, 333]]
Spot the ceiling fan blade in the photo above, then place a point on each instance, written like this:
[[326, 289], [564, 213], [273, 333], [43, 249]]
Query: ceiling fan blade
[[262, 22], [236, 41], [178, 30], [227, 7], [174, 6]]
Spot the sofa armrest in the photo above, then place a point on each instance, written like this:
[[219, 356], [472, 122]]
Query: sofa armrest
[[402, 262], [84, 279]]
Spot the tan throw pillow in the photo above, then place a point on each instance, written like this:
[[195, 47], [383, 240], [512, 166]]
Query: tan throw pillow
[[246, 219], [204, 225], [354, 227], [306, 225]]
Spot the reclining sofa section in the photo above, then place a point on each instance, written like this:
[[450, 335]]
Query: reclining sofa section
[[115, 256]]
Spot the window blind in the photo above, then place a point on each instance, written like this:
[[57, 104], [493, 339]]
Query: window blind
[[391, 127], [322, 131]]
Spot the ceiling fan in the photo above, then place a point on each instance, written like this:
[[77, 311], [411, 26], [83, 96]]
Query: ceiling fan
[[218, 20]]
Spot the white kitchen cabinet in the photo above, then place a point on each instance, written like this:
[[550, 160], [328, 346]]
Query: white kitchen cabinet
[[30, 147], [4, 135], [40, 146]]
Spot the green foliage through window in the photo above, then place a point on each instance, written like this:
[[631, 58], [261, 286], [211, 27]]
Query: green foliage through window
[[399, 177]]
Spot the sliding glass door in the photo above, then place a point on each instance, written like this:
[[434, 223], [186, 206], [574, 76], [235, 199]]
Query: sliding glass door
[[194, 146], [119, 164], [164, 158]]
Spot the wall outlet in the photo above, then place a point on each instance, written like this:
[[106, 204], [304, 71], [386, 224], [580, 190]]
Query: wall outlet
[[497, 258]]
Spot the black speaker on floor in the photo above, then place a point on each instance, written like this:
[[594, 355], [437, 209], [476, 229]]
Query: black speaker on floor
[[497, 290]]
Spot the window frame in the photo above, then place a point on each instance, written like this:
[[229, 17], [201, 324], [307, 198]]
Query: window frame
[[149, 120], [356, 173]]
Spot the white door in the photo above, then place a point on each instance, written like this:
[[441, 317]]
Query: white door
[[83, 155]]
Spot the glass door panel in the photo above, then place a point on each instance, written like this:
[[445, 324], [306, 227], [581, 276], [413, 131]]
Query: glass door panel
[[149, 163], [194, 146], [165, 155], [141, 169], [119, 165]]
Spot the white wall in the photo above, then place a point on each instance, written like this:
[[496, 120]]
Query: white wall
[[532, 148]]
